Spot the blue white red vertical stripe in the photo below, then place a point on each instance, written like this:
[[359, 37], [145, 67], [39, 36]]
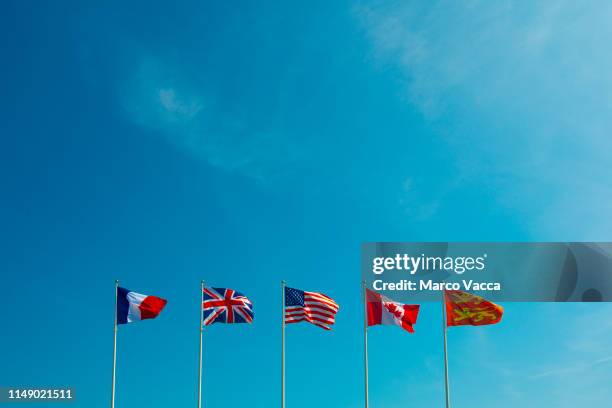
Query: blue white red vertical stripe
[[312, 307], [132, 306], [222, 305]]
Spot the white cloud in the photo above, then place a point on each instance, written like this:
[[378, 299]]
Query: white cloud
[[169, 100], [520, 91], [564, 370], [161, 98], [563, 360]]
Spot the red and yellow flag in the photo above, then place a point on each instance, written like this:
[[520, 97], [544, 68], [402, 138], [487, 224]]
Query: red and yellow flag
[[465, 309]]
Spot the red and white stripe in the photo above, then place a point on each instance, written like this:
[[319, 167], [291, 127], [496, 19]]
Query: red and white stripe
[[384, 311], [318, 309]]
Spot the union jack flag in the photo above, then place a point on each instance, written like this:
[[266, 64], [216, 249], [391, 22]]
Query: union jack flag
[[222, 305]]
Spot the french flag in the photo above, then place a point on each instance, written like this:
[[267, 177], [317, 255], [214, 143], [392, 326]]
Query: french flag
[[132, 306]]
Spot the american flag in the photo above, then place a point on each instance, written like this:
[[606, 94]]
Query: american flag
[[223, 305], [312, 307]]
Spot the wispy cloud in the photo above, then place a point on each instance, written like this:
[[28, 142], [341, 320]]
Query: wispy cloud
[[170, 102], [571, 369], [520, 92], [421, 200], [550, 361], [162, 98]]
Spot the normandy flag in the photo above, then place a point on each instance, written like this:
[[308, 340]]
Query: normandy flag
[[465, 309]]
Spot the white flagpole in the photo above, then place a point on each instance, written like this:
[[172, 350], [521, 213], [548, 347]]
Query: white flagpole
[[365, 342], [114, 346], [444, 328], [283, 284], [201, 335]]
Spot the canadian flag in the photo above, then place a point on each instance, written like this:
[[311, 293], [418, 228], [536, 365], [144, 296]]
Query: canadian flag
[[382, 310]]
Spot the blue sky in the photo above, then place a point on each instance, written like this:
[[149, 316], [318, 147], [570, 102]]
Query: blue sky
[[251, 142]]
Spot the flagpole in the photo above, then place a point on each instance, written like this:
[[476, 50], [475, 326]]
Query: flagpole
[[283, 284], [201, 336], [114, 346], [444, 329], [365, 342]]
